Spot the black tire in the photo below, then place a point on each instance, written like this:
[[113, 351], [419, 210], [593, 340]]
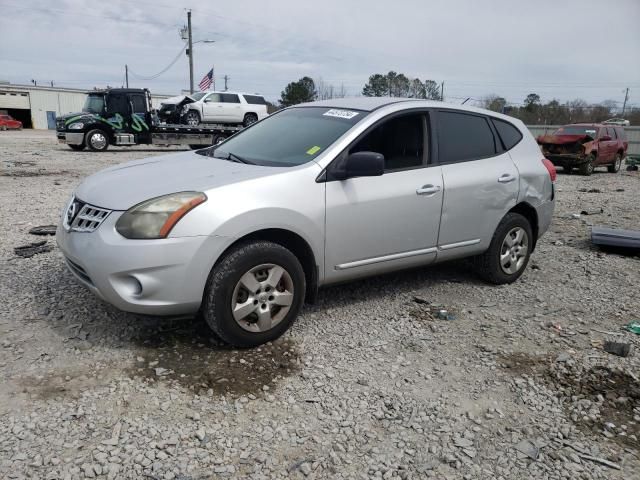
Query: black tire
[[488, 264], [249, 119], [77, 147], [225, 276], [615, 166], [588, 166], [568, 169], [218, 139], [197, 147], [192, 118], [97, 140]]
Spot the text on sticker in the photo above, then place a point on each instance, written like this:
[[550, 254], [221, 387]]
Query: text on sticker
[[340, 113]]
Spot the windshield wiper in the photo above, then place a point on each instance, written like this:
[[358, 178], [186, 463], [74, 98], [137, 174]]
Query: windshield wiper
[[232, 157]]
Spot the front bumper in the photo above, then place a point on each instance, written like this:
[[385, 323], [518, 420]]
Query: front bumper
[[561, 159], [153, 277], [70, 138]]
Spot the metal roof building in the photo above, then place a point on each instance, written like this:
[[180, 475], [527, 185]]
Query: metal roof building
[[38, 106]]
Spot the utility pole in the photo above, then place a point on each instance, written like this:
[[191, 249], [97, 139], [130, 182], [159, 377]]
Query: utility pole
[[624, 104], [226, 79], [126, 75], [190, 51], [442, 91]]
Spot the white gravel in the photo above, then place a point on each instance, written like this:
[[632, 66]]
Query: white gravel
[[367, 384]]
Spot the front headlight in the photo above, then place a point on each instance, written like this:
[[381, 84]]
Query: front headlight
[[156, 217], [76, 126]]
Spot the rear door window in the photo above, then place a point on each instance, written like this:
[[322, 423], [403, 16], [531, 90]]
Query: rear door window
[[463, 137], [229, 98], [255, 99], [509, 135]]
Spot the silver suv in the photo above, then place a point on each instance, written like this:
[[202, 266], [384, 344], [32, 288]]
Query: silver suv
[[247, 230]]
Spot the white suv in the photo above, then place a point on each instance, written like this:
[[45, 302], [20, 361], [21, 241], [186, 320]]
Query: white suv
[[225, 107]]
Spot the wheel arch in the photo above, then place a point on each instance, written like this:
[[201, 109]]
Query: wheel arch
[[293, 242], [527, 211]]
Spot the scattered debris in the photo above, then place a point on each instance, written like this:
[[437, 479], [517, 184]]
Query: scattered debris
[[617, 348], [576, 216], [619, 189], [43, 230], [600, 460], [590, 190], [529, 448], [615, 237], [634, 327], [28, 251], [605, 332], [421, 301], [592, 212]]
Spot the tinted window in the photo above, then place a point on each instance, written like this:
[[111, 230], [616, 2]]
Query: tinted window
[[303, 133], [464, 137], [509, 134], [400, 140], [139, 104], [229, 98], [197, 96], [117, 103], [255, 99]]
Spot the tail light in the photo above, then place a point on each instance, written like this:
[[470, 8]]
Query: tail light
[[550, 168]]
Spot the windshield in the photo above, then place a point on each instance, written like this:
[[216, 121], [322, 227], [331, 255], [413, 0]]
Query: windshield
[[291, 137], [577, 130], [94, 104], [198, 96]]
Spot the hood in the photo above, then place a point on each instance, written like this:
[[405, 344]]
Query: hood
[[125, 185], [179, 100], [563, 139], [75, 117]]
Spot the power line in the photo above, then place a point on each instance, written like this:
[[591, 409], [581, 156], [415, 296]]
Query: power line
[[153, 77]]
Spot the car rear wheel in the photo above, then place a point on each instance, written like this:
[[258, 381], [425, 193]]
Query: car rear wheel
[[77, 147], [249, 119], [192, 118], [254, 294], [588, 166], [509, 251], [97, 140], [615, 166]]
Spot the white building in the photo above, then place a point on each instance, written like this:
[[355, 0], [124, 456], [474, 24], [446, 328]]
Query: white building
[[37, 107]]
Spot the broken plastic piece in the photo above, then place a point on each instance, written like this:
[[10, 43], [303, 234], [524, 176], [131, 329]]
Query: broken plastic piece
[[614, 237]]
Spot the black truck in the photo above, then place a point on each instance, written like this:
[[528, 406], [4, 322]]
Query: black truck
[[124, 116]]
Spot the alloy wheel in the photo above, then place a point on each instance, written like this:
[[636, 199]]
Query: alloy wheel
[[98, 141], [513, 253], [262, 297]]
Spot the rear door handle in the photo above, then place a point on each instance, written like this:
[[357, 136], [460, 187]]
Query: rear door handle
[[506, 178], [428, 189]]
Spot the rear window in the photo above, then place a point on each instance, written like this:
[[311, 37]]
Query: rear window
[[255, 99], [229, 98], [463, 137], [509, 134]]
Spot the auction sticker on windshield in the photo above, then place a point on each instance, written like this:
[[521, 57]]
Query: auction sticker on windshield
[[348, 114]]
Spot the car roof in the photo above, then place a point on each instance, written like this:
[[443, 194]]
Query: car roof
[[370, 104], [235, 93]]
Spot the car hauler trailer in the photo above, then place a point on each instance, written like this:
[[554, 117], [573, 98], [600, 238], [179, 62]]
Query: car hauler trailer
[[124, 117]]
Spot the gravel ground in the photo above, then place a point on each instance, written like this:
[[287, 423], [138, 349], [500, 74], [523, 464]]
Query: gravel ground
[[369, 383]]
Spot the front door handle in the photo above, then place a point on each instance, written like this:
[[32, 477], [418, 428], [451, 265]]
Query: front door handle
[[506, 178], [428, 189]]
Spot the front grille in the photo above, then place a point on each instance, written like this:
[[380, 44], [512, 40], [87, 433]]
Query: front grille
[[79, 271], [82, 217]]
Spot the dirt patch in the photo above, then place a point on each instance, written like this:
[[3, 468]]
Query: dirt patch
[[524, 363], [191, 356], [602, 399], [61, 385]]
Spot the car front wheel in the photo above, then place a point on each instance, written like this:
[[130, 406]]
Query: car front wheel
[[192, 118], [254, 294], [509, 251]]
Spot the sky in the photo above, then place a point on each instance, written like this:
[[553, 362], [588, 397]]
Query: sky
[[557, 49]]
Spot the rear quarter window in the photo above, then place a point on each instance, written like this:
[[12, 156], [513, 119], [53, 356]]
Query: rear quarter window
[[463, 137], [255, 99], [509, 134], [621, 133]]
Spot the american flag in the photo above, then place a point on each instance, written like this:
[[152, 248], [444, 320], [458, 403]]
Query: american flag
[[206, 81]]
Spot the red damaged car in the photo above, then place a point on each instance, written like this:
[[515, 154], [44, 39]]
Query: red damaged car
[[7, 122], [585, 146]]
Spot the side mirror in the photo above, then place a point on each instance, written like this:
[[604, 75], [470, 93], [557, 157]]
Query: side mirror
[[359, 164], [606, 138]]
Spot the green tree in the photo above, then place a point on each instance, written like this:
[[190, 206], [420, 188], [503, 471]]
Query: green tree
[[304, 90], [399, 84], [494, 103], [416, 89], [376, 87], [532, 100], [432, 91]]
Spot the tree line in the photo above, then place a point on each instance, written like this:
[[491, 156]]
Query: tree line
[[531, 111]]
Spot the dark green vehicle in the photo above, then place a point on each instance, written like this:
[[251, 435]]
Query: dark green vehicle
[[124, 116]]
